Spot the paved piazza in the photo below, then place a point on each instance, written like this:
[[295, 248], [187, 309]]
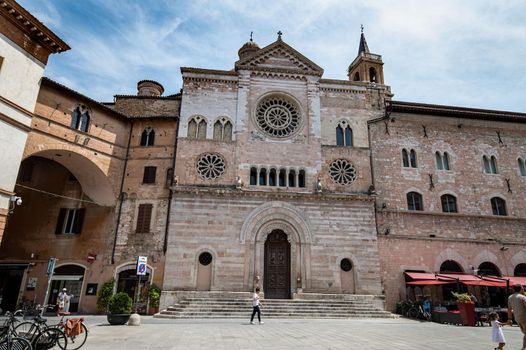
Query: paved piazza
[[289, 334]]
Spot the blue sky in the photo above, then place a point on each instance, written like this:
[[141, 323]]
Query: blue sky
[[468, 53]]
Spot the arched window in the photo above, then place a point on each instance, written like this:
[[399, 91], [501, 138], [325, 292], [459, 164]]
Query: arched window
[[442, 160], [372, 75], [223, 129], [263, 177], [412, 158], [148, 137], [449, 203], [414, 201], [405, 158], [253, 176], [490, 165], [292, 178], [301, 178], [520, 270], [450, 266], [197, 128], [344, 134], [498, 206], [489, 268], [282, 177], [272, 177], [356, 76], [522, 167], [80, 118]]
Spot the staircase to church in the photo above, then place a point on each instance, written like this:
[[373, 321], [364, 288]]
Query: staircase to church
[[313, 306]]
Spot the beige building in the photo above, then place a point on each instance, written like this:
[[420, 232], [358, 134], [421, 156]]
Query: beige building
[[25, 45]]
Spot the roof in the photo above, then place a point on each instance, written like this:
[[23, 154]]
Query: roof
[[169, 97], [454, 111], [207, 71], [363, 45], [47, 81], [31, 26]]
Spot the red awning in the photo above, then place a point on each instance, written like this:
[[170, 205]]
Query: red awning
[[421, 275], [427, 282], [501, 284], [460, 277], [517, 280]]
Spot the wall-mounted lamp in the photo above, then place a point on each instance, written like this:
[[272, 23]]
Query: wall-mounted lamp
[[13, 202]]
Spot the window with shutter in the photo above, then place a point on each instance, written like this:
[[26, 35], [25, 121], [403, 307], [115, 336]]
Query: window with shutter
[[144, 217]]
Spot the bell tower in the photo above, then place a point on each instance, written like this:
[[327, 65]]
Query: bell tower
[[366, 67]]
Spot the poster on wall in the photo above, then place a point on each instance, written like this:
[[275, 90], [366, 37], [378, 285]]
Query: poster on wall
[[31, 283]]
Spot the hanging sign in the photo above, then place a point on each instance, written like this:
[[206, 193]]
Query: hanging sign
[[141, 265]]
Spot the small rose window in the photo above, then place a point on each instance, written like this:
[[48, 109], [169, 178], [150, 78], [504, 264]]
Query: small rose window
[[210, 166], [342, 172]]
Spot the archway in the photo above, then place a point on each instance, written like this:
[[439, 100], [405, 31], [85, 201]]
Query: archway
[[450, 266], [520, 270], [277, 266], [204, 271], [489, 268], [347, 276], [70, 277]]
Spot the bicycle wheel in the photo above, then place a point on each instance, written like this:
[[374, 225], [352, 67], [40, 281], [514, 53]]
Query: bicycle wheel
[[49, 338], [413, 313], [76, 341], [25, 330], [15, 343]]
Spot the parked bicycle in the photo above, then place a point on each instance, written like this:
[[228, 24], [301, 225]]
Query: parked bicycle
[[9, 340], [40, 335], [420, 311]]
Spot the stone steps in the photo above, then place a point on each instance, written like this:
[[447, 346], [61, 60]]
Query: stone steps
[[237, 306]]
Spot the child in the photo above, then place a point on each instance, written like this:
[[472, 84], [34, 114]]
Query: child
[[256, 307], [496, 333]]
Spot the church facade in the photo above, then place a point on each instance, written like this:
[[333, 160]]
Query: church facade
[[274, 187]]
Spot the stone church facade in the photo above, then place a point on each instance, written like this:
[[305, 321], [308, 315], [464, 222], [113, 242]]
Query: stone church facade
[[267, 192]]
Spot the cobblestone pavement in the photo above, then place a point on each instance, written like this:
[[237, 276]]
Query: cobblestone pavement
[[292, 334]]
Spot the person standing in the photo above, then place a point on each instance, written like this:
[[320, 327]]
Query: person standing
[[256, 307], [517, 308], [496, 331], [61, 301]]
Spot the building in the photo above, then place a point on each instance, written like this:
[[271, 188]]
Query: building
[[25, 46], [274, 187], [90, 182]]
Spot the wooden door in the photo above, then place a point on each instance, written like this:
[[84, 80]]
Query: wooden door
[[277, 266]]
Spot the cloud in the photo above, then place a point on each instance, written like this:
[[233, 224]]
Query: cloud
[[468, 53]]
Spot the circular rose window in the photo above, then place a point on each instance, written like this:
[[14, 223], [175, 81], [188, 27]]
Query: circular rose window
[[342, 172], [278, 117], [210, 166]]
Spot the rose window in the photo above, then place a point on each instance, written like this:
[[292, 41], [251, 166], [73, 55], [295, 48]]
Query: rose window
[[277, 117], [210, 166], [342, 172]]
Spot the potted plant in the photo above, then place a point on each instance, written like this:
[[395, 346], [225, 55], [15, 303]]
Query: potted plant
[[120, 307], [104, 296], [466, 307], [154, 295]]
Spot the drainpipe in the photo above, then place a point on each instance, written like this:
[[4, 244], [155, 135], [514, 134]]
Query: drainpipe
[[170, 194], [121, 196]]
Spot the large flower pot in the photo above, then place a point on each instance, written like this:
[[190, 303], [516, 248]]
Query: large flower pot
[[467, 313], [118, 319], [153, 310]]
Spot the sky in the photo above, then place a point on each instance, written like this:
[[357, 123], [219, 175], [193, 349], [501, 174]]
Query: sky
[[467, 53]]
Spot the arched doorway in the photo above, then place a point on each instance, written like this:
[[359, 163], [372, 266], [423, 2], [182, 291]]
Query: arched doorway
[[70, 277], [520, 270], [204, 271], [491, 295], [489, 268], [347, 276], [277, 266], [450, 266]]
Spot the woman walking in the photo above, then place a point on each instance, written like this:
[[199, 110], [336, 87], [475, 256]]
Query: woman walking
[[256, 307]]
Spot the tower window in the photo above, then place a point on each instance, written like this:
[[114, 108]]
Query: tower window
[[522, 167], [414, 201], [80, 118], [356, 76], [498, 206], [442, 161], [490, 164], [148, 137], [449, 203], [372, 75]]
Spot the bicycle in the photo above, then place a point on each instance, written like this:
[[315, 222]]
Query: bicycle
[[40, 335], [418, 311], [76, 339], [8, 337]]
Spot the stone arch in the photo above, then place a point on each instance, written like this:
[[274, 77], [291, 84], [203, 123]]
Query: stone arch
[[450, 254], [256, 228], [275, 211], [516, 259], [95, 181], [354, 271], [486, 256]]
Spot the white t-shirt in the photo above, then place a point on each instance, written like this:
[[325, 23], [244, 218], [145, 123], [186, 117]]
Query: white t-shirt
[[255, 299]]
